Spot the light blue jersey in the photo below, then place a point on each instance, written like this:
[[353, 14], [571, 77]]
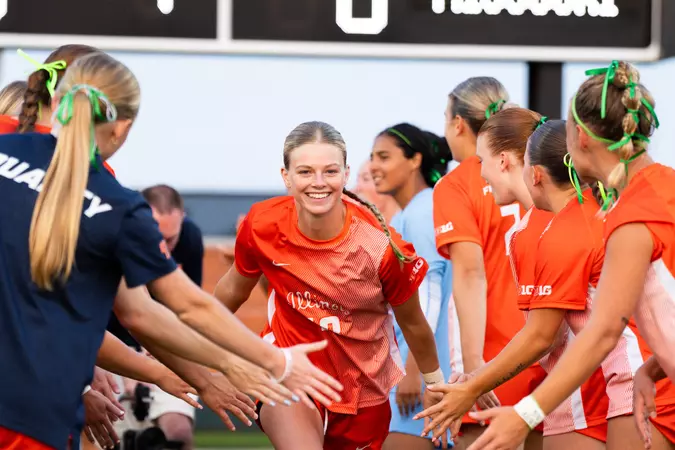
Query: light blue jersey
[[416, 225]]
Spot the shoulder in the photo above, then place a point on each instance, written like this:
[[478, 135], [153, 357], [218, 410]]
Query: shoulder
[[572, 231], [190, 231], [271, 205], [38, 141], [265, 217]]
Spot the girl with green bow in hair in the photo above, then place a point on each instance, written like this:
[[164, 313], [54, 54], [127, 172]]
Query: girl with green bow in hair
[[472, 231], [69, 235], [610, 120], [563, 274]]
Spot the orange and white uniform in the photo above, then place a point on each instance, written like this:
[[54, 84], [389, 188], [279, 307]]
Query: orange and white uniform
[[569, 262], [341, 290], [649, 198], [566, 257], [465, 211]]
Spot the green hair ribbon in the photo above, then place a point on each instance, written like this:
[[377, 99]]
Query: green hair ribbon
[[51, 68], [493, 108], [610, 74], [64, 113], [604, 194], [542, 121], [574, 177]]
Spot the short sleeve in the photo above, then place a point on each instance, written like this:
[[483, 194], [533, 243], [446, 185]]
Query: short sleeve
[[419, 231], [651, 211], [454, 218], [244, 250], [401, 279], [141, 249], [561, 281]]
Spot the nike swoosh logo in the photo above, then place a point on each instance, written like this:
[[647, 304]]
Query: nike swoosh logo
[[278, 264]]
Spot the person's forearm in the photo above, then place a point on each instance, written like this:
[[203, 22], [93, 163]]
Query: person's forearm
[[526, 347], [653, 369], [219, 325], [195, 375], [156, 327], [114, 356], [470, 297], [585, 353], [227, 294], [411, 367], [421, 342]]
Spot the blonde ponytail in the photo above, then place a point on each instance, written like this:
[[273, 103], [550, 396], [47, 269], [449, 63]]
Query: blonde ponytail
[[56, 219], [57, 215]]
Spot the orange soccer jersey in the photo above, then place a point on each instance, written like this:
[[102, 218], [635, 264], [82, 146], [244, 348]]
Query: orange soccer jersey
[[522, 252], [649, 198], [340, 290], [565, 257], [575, 237], [465, 211]]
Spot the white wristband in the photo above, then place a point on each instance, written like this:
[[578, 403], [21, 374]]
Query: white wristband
[[289, 365], [528, 409], [87, 388], [435, 377]]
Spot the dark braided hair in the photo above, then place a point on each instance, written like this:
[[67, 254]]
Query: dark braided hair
[[435, 151], [321, 132], [37, 93]]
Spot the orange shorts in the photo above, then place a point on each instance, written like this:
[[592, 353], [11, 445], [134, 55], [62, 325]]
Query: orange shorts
[[368, 428], [11, 440], [518, 388], [665, 421]]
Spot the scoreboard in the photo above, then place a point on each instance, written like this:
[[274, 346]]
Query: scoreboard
[[530, 30]]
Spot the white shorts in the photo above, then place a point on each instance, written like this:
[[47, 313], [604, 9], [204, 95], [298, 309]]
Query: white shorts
[[163, 403]]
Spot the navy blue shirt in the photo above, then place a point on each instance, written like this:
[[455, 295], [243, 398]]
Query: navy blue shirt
[[189, 255], [49, 340]]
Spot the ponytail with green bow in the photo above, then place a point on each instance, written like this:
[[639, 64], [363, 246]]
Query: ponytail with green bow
[[612, 107]]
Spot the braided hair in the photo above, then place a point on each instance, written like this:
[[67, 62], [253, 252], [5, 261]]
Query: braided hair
[[36, 91]]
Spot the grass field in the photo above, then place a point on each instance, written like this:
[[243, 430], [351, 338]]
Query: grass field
[[224, 439]]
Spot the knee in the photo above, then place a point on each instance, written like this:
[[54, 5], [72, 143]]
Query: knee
[[177, 427]]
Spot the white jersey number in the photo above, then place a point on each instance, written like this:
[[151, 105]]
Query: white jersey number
[[510, 210], [331, 323], [378, 20]]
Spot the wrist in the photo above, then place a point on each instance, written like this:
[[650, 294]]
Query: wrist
[[435, 377], [276, 363], [529, 410]]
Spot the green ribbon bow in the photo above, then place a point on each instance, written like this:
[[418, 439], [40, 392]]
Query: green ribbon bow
[[610, 73], [542, 121], [603, 194], [52, 69], [64, 113], [574, 176], [493, 108]]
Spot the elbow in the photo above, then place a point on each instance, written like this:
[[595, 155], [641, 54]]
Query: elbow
[[608, 335], [133, 319], [195, 310]]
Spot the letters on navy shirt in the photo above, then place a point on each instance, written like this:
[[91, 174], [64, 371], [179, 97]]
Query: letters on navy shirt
[[50, 340]]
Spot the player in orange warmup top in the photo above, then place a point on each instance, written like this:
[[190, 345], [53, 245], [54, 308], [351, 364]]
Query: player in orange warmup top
[[613, 111], [472, 230]]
